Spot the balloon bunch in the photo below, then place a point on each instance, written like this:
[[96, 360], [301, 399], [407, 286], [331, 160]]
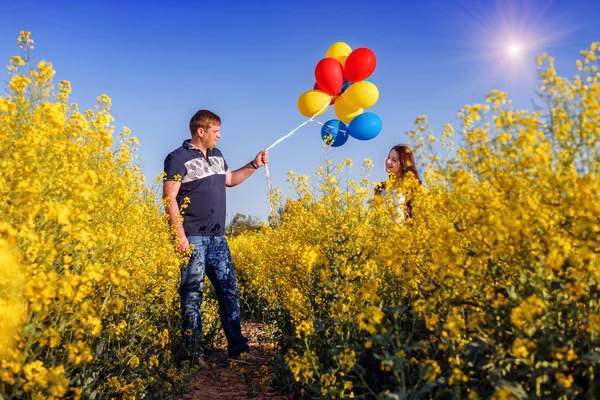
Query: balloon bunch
[[343, 80]]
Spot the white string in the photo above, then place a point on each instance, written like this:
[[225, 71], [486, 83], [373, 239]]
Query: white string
[[281, 139], [329, 126]]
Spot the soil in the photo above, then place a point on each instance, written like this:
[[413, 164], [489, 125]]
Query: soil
[[221, 379]]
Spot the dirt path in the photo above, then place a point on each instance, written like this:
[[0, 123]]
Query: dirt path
[[235, 381]]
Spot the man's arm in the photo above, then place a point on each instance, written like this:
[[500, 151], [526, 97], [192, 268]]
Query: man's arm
[[170, 190], [240, 175]]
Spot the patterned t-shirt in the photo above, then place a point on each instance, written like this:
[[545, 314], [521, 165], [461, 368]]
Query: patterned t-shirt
[[203, 182]]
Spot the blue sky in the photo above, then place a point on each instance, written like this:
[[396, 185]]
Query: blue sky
[[249, 62]]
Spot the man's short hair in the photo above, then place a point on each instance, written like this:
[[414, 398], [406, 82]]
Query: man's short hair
[[203, 119]]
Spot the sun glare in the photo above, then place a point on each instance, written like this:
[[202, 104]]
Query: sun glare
[[514, 49], [508, 35]]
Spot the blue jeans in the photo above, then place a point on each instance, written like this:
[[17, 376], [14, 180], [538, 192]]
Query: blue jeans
[[211, 257]]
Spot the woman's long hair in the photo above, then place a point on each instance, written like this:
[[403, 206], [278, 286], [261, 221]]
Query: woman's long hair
[[407, 165], [407, 161]]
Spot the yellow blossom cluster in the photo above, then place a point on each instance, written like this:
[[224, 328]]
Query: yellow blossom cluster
[[12, 299], [490, 290], [88, 271]]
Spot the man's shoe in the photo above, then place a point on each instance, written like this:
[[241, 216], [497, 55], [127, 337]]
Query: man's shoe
[[201, 359], [247, 358]]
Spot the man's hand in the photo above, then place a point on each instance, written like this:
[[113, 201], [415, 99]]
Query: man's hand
[[185, 244], [261, 158]]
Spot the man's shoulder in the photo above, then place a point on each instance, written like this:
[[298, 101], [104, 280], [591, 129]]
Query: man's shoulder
[[178, 154]]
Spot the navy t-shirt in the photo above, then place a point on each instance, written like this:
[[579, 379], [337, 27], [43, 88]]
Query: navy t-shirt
[[203, 182]]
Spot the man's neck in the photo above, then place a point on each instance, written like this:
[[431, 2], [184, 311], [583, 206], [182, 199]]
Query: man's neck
[[197, 143]]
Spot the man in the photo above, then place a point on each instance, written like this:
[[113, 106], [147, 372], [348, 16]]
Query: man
[[196, 178]]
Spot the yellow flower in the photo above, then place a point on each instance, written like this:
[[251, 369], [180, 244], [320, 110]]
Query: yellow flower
[[36, 375], [79, 353], [370, 318], [305, 329], [504, 393], [134, 361], [162, 338], [522, 347], [432, 370], [24, 41], [564, 380], [19, 83], [51, 338], [526, 312]]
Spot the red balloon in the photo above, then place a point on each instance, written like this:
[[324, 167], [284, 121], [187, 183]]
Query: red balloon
[[317, 87], [360, 64], [329, 75]]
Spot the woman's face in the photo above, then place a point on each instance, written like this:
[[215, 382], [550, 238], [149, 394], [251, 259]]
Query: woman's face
[[392, 163]]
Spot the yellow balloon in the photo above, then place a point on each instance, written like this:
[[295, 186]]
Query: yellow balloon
[[310, 102], [340, 51], [361, 94], [342, 60], [344, 112]]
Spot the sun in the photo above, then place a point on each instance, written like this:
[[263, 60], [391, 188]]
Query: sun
[[514, 49]]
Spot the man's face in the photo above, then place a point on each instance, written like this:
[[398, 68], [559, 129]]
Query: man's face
[[211, 136]]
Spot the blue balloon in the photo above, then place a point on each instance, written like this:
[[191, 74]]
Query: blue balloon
[[334, 130], [365, 126], [346, 85]]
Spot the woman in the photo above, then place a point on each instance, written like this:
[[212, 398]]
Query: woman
[[399, 164]]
